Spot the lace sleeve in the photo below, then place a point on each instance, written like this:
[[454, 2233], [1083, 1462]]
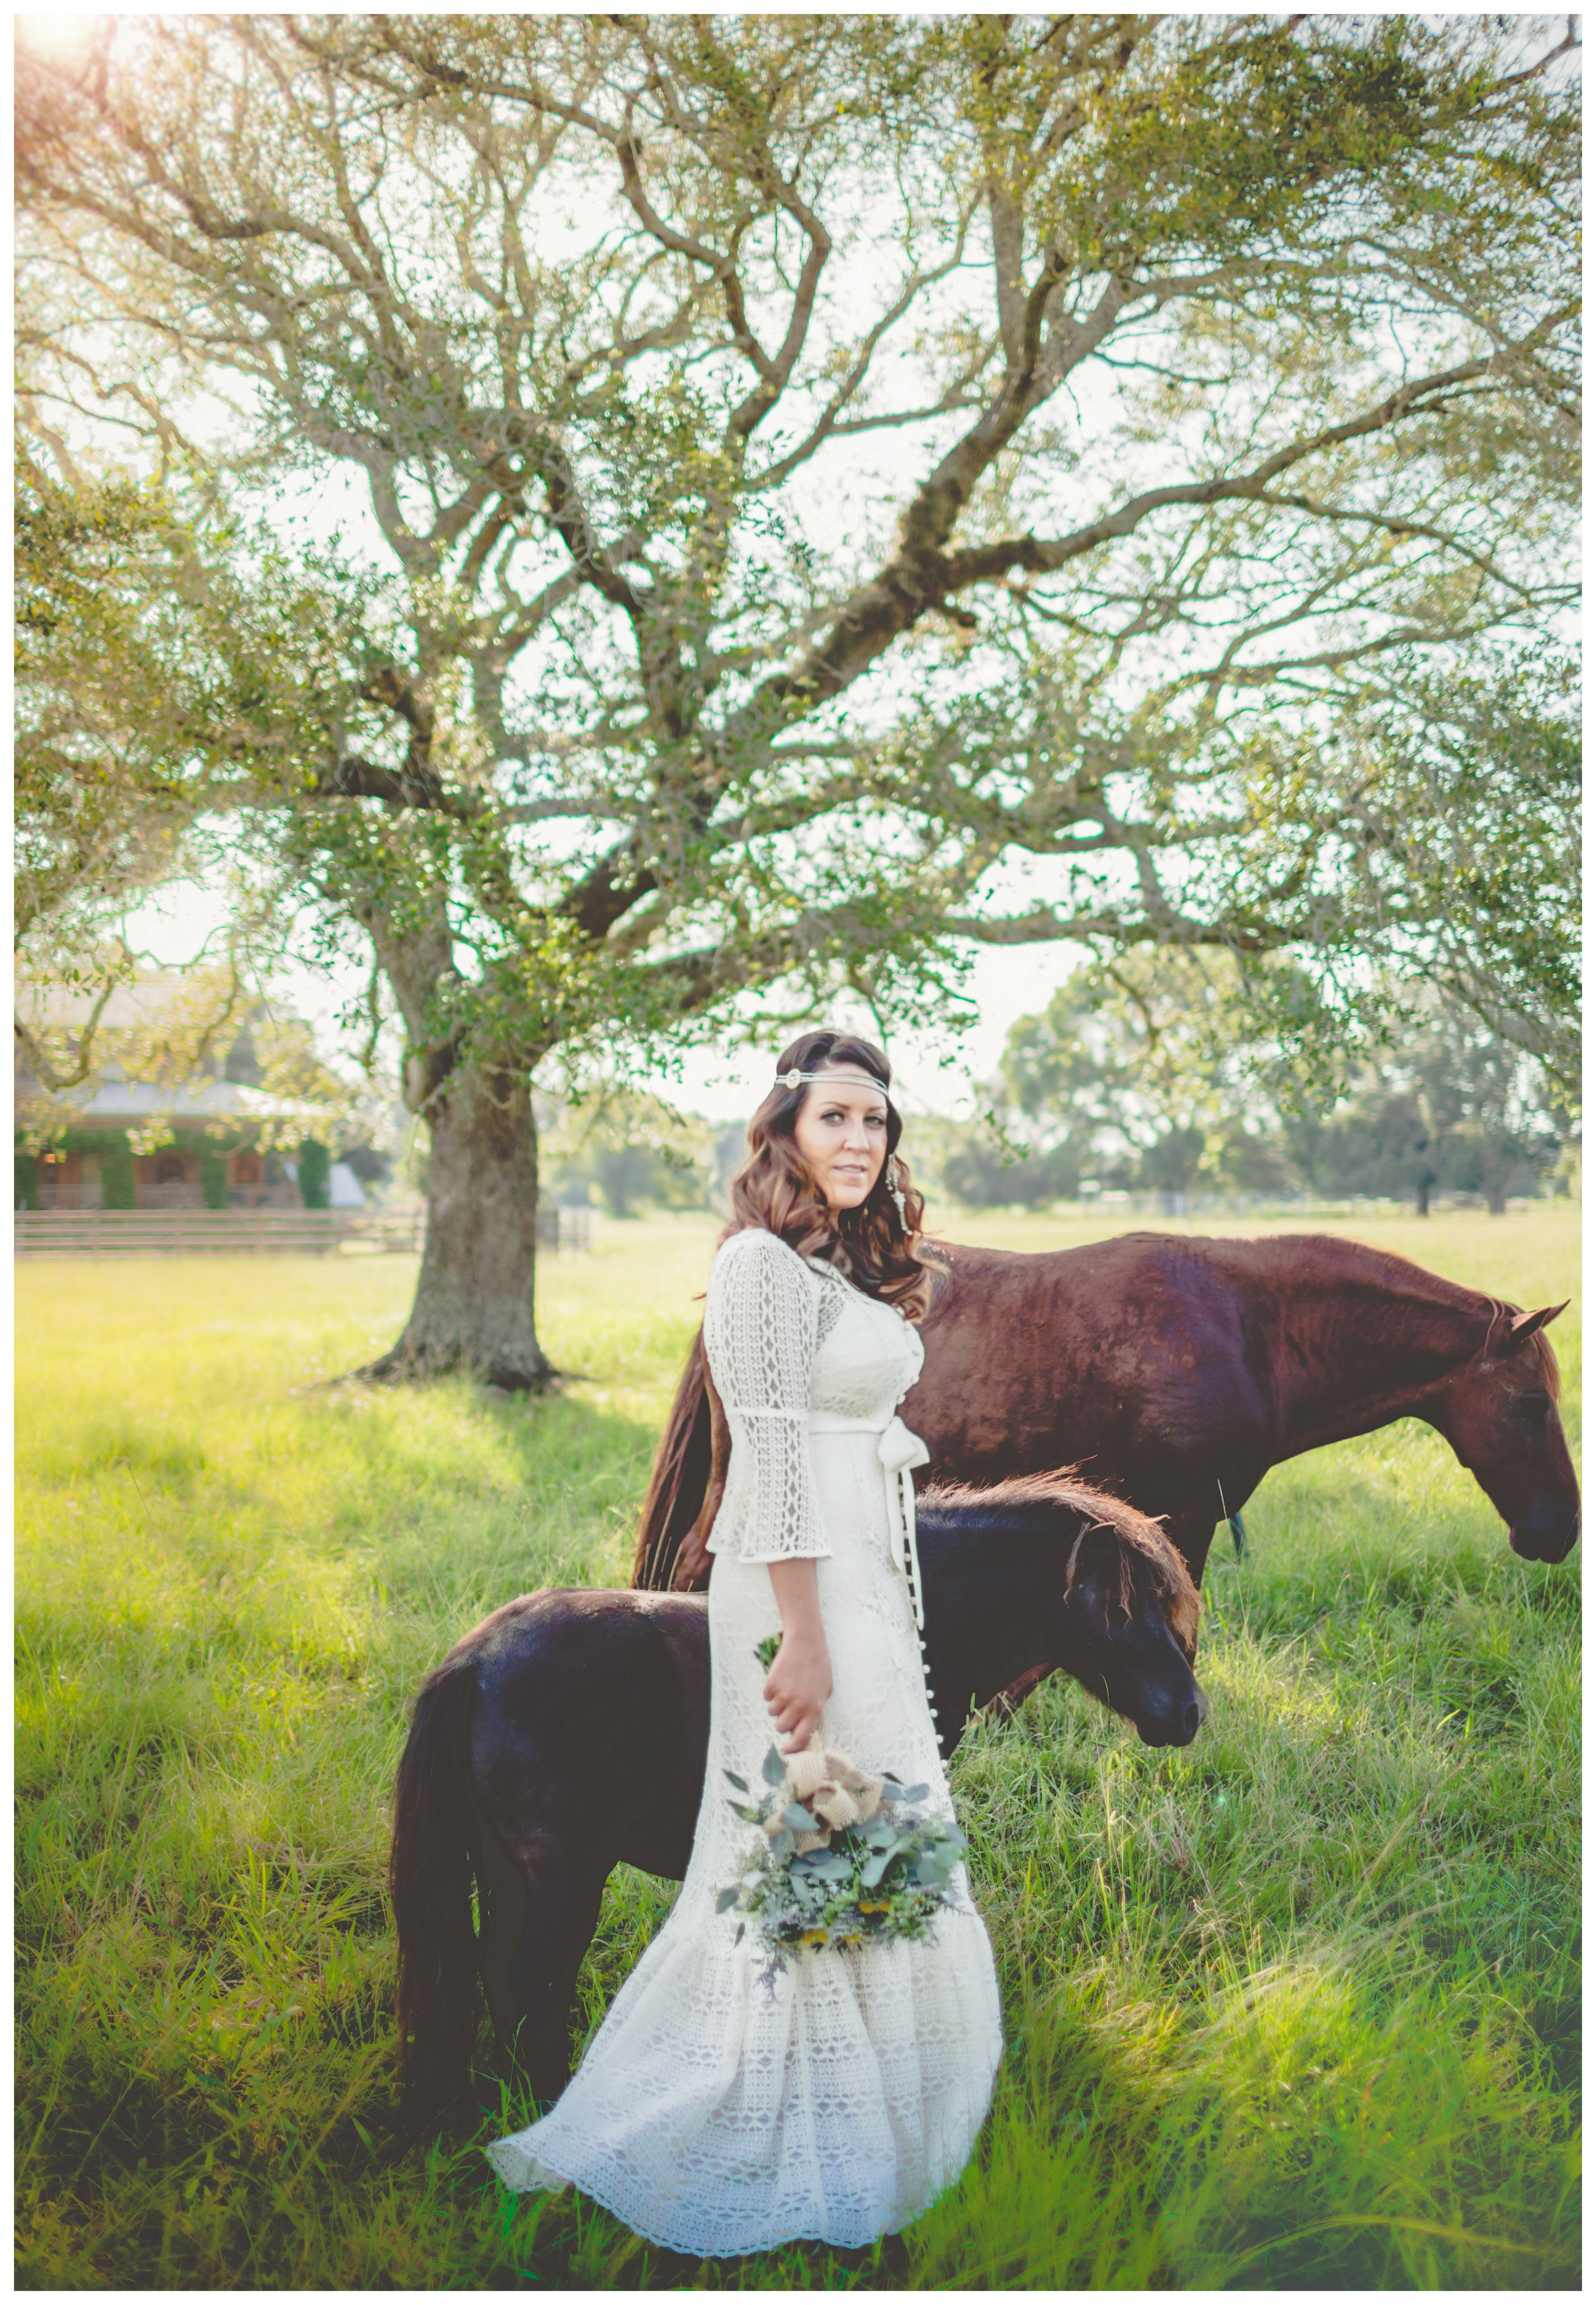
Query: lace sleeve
[[759, 1328]]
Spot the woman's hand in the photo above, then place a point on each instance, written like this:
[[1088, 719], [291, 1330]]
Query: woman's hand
[[800, 1681], [799, 1684]]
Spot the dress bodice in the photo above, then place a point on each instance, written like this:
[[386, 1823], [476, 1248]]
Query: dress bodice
[[788, 1339], [866, 1355]]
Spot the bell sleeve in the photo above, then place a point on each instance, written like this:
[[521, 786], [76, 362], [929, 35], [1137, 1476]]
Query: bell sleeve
[[759, 1336]]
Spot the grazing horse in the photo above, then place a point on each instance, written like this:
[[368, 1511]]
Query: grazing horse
[[1175, 1373], [569, 1733]]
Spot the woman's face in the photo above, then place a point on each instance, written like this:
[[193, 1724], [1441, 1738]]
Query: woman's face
[[841, 1133]]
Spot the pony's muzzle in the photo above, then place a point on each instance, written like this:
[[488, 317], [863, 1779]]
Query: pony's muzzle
[[1177, 1723]]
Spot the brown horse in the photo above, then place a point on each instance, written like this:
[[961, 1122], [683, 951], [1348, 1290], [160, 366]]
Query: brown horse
[[1175, 1373], [569, 1732]]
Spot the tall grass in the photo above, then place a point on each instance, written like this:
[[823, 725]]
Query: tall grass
[[1297, 2006]]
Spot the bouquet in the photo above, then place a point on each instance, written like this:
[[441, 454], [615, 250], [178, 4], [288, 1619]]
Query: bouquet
[[843, 1858]]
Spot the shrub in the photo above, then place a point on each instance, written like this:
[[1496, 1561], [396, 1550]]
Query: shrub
[[315, 1172], [116, 1174], [213, 1177]]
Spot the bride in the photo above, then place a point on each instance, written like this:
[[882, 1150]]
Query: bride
[[720, 2109]]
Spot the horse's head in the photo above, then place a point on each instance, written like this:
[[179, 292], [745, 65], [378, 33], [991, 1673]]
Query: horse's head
[[1500, 1411], [1042, 1574], [1127, 1621]]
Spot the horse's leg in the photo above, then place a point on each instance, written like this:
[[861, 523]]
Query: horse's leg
[[1190, 1531], [537, 1908], [578, 1721], [1008, 1701], [501, 1920]]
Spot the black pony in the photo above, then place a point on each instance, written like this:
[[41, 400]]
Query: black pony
[[569, 1733]]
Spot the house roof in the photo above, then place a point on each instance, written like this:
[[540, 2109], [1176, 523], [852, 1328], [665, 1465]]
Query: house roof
[[114, 1101], [109, 1099]]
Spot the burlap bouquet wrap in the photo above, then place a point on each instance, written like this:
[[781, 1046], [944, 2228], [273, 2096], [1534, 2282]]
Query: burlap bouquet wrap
[[831, 1788]]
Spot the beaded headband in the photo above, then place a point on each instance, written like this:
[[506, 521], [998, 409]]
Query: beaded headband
[[795, 1079]]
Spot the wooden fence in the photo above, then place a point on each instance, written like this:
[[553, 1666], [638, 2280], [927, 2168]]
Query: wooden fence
[[251, 1232]]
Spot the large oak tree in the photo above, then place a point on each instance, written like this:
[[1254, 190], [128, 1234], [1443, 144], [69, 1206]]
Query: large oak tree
[[844, 489]]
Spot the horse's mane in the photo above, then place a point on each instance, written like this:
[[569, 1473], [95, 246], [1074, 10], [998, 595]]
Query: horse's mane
[[1150, 1567], [1383, 1267], [1548, 1363]]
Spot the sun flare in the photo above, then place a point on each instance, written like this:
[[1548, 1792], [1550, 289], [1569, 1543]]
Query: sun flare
[[59, 35]]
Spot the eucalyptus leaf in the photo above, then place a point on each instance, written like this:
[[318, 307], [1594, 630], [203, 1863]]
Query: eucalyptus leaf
[[726, 1900], [796, 1818], [774, 1768]]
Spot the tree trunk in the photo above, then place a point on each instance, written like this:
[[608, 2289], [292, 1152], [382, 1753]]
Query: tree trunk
[[1422, 1198], [475, 1296], [474, 1302]]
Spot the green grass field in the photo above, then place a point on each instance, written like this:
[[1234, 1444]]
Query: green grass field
[[1295, 2007]]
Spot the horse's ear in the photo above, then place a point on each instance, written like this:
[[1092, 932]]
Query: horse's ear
[[1530, 1324], [1098, 1549]]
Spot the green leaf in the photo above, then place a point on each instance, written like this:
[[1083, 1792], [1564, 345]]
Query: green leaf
[[726, 1900], [797, 1819], [775, 1768], [740, 1783]]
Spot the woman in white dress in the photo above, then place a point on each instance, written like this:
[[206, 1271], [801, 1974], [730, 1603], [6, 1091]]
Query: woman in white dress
[[720, 2109]]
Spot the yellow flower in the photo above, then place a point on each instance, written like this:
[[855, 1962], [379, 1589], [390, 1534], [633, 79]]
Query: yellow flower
[[813, 1937], [874, 1908]]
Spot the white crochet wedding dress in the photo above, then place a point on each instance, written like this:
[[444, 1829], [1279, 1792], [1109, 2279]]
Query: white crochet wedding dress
[[717, 2109]]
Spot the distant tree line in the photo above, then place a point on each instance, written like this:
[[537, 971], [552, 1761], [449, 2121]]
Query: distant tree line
[[1156, 1074], [621, 1150]]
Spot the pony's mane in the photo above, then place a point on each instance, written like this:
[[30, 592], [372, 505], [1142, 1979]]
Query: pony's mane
[[1150, 1567]]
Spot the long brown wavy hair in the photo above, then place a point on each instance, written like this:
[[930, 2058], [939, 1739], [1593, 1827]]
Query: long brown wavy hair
[[776, 1188]]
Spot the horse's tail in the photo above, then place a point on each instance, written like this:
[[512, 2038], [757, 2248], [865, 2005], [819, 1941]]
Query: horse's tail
[[430, 1881], [680, 1479]]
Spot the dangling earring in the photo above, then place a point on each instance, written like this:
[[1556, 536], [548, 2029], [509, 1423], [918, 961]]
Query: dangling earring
[[892, 1187]]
